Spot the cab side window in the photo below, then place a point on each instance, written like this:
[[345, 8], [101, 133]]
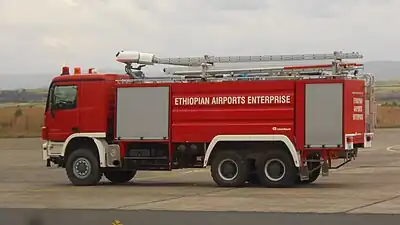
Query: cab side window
[[64, 97]]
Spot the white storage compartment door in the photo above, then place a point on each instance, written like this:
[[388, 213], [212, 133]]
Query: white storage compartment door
[[324, 115], [142, 113]]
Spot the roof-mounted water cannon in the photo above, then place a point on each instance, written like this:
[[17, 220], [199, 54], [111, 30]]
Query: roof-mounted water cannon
[[133, 57]]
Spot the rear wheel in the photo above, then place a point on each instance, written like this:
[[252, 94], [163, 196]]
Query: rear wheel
[[229, 169], [276, 169], [118, 177], [83, 168]]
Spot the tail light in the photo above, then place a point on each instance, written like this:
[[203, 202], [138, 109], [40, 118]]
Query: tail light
[[44, 133]]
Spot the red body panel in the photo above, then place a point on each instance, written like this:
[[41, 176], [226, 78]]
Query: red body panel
[[200, 111], [349, 87], [94, 106], [354, 109], [230, 108]]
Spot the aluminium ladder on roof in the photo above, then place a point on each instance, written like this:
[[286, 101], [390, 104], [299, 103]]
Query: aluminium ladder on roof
[[150, 59], [343, 67], [198, 61], [206, 62], [285, 72]]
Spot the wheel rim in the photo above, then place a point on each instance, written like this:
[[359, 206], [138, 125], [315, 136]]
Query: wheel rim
[[274, 169], [81, 168], [228, 169]]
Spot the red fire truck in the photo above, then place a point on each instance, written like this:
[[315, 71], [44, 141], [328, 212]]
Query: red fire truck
[[275, 126]]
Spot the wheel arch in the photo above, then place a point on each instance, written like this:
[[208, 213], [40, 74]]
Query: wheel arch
[[93, 141], [281, 140]]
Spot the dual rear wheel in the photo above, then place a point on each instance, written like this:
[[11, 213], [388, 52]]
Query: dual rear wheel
[[275, 168]]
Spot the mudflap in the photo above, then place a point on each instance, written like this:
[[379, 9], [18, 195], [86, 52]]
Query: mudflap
[[325, 168], [304, 173]]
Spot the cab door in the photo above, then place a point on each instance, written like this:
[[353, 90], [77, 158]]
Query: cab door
[[62, 116]]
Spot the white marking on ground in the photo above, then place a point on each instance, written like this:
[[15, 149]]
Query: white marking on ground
[[394, 148]]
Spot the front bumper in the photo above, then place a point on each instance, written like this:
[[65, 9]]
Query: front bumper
[[45, 153], [52, 152]]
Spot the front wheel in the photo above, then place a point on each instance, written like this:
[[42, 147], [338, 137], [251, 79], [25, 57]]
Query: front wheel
[[276, 169], [83, 168], [229, 169], [118, 177]]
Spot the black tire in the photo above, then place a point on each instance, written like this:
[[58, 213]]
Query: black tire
[[241, 170], [118, 177], [91, 173], [284, 178], [253, 179]]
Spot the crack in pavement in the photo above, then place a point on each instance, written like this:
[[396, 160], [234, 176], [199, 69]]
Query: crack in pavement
[[366, 167], [173, 198], [371, 204]]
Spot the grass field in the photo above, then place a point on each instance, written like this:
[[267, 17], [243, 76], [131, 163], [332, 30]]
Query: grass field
[[23, 120]]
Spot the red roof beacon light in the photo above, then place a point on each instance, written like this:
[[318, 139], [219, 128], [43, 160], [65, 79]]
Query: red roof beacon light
[[65, 70]]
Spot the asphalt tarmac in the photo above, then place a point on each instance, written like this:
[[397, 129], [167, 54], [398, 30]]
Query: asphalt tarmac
[[361, 192], [148, 217]]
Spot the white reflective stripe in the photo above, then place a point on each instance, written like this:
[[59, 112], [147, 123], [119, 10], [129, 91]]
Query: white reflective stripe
[[278, 137], [97, 138]]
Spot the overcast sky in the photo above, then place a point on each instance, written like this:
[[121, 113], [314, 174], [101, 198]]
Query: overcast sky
[[40, 35]]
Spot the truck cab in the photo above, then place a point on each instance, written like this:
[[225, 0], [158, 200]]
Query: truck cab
[[77, 104]]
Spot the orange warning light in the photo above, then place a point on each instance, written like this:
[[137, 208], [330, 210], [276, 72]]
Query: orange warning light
[[77, 70]]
